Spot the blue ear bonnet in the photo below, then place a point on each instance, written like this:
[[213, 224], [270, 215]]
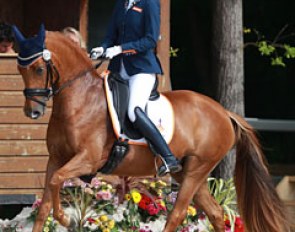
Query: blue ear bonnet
[[29, 49]]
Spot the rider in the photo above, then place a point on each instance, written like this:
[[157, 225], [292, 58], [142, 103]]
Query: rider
[[130, 42]]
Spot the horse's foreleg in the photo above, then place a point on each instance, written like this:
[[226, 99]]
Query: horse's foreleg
[[79, 165], [194, 174], [43, 211], [46, 203], [213, 210]]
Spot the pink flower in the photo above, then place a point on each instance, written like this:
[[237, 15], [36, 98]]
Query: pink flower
[[104, 195], [68, 183], [37, 204], [95, 182], [145, 229]]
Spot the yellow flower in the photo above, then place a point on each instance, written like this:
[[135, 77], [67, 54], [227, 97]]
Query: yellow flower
[[127, 197], [161, 183], [111, 224], [225, 217], [50, 219], [145, 181], [106, 230], [109, 186], [247, 30], [97, 221], [159, 192], [191, 211], [136, 196], [103, 218], [46, 229], [153, 185], [162, 203]]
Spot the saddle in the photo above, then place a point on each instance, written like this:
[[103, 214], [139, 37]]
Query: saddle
[[121, 94]]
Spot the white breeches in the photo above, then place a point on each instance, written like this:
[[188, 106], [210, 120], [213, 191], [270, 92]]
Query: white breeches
[[141, 86]]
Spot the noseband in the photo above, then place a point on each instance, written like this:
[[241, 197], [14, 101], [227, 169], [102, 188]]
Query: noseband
[[50, 89]]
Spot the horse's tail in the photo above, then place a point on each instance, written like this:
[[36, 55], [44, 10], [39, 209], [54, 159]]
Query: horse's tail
[[258, 203]]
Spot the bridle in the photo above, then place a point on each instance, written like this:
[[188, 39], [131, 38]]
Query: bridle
[[51, 88]]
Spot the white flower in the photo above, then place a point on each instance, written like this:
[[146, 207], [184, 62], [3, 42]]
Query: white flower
[[156, 226], [90, 226]]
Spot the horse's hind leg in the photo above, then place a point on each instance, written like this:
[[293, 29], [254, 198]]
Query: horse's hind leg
[[208, 204], [194, 174], [46, 203]]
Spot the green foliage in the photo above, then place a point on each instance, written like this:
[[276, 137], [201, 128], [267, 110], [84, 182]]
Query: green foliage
[[173, 52], [278, 61], [290, 51], [224, 193], [265, 49], [276, 50]]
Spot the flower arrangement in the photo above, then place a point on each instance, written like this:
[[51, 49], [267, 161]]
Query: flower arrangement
[[143, 208]]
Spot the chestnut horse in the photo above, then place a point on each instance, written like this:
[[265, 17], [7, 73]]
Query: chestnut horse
[[80, 136]]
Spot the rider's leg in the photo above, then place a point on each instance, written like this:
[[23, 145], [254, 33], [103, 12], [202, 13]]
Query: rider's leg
[[141, 86]]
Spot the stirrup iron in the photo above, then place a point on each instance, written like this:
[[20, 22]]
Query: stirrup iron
[[164, 163]]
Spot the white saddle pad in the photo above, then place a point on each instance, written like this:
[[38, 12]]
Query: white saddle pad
[[159, 111]]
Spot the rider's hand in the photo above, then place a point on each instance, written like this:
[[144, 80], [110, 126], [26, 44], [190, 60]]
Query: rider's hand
[[113, 51], [96, 53]]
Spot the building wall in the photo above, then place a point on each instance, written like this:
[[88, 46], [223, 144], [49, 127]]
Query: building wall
[[23, 152], [28, 15]]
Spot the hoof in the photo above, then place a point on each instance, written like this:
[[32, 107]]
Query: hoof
[[63, 219]]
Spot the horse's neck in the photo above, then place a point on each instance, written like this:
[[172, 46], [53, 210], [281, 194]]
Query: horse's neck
[[82, 95]]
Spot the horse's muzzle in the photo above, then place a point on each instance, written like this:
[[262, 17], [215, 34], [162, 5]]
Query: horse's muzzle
[[34, 112]]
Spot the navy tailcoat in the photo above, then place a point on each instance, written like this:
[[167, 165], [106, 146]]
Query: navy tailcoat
[[137, 31]]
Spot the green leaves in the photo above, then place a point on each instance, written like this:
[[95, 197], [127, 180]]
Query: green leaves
[[278, 61], [274, 49], [268, 49], [290, 51], [173, 51], [265, 49], [224, 193]]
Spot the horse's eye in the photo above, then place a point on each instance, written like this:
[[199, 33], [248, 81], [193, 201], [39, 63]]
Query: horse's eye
[[40, 71]]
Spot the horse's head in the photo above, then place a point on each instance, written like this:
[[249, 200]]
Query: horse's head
[[37, 70], [48, 62]]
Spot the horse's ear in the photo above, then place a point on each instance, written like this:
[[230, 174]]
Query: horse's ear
[[41, 34], [17, 34]]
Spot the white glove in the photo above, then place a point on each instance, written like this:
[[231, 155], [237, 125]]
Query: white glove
[[96, 53], [113, 51]]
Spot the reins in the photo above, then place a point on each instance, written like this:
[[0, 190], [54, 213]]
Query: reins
[[69, 82]]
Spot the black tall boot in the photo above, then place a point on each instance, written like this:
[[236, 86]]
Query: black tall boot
[[152, 135]]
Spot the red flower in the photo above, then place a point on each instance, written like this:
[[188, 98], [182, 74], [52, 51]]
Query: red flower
[[161, 207], [239, 225], [152, 210], [227, 223], [144, 202], [91, 220]]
